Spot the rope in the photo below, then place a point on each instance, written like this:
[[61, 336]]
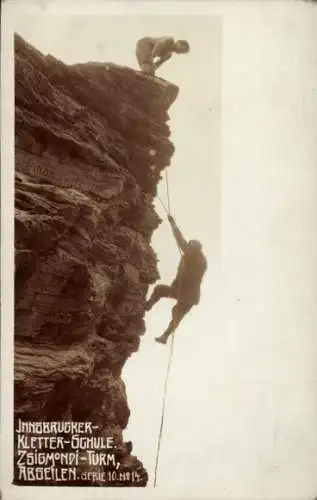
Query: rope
[[163, 205], [168, 211], [163, 410], [168, 208]]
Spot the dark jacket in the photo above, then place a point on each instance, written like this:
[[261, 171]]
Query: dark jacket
[[190, 272]]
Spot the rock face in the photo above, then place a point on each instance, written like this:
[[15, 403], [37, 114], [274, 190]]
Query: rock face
[[91, 143]]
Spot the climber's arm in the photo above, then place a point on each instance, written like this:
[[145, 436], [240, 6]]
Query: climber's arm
[[182, 243], [162, 60], [162, 50], [162, 47]]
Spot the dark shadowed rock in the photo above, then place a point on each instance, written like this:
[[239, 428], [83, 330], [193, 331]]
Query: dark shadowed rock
[[91, 142]]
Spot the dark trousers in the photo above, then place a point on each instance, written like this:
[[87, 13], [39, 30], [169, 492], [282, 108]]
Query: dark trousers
[[178, 311]]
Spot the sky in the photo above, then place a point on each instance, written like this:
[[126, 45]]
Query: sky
[[242, 401]]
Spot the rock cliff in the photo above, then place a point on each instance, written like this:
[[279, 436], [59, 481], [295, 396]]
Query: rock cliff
[[91, 143]]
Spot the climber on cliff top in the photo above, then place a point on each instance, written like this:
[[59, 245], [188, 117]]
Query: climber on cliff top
[[147, 49], [186, 286]]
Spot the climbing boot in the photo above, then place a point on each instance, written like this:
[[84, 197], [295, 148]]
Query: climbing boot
[[162, 339]]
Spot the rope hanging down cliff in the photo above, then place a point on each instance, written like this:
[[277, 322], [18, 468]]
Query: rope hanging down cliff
[[168, 211], [185, 288], [163, 410]]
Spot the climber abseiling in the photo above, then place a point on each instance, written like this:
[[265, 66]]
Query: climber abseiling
[[162, 48], [186, 286]]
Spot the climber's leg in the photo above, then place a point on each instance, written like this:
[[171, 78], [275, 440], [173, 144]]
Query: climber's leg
[[178, 313], [144, 58], [159, 292], [148, 68]]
